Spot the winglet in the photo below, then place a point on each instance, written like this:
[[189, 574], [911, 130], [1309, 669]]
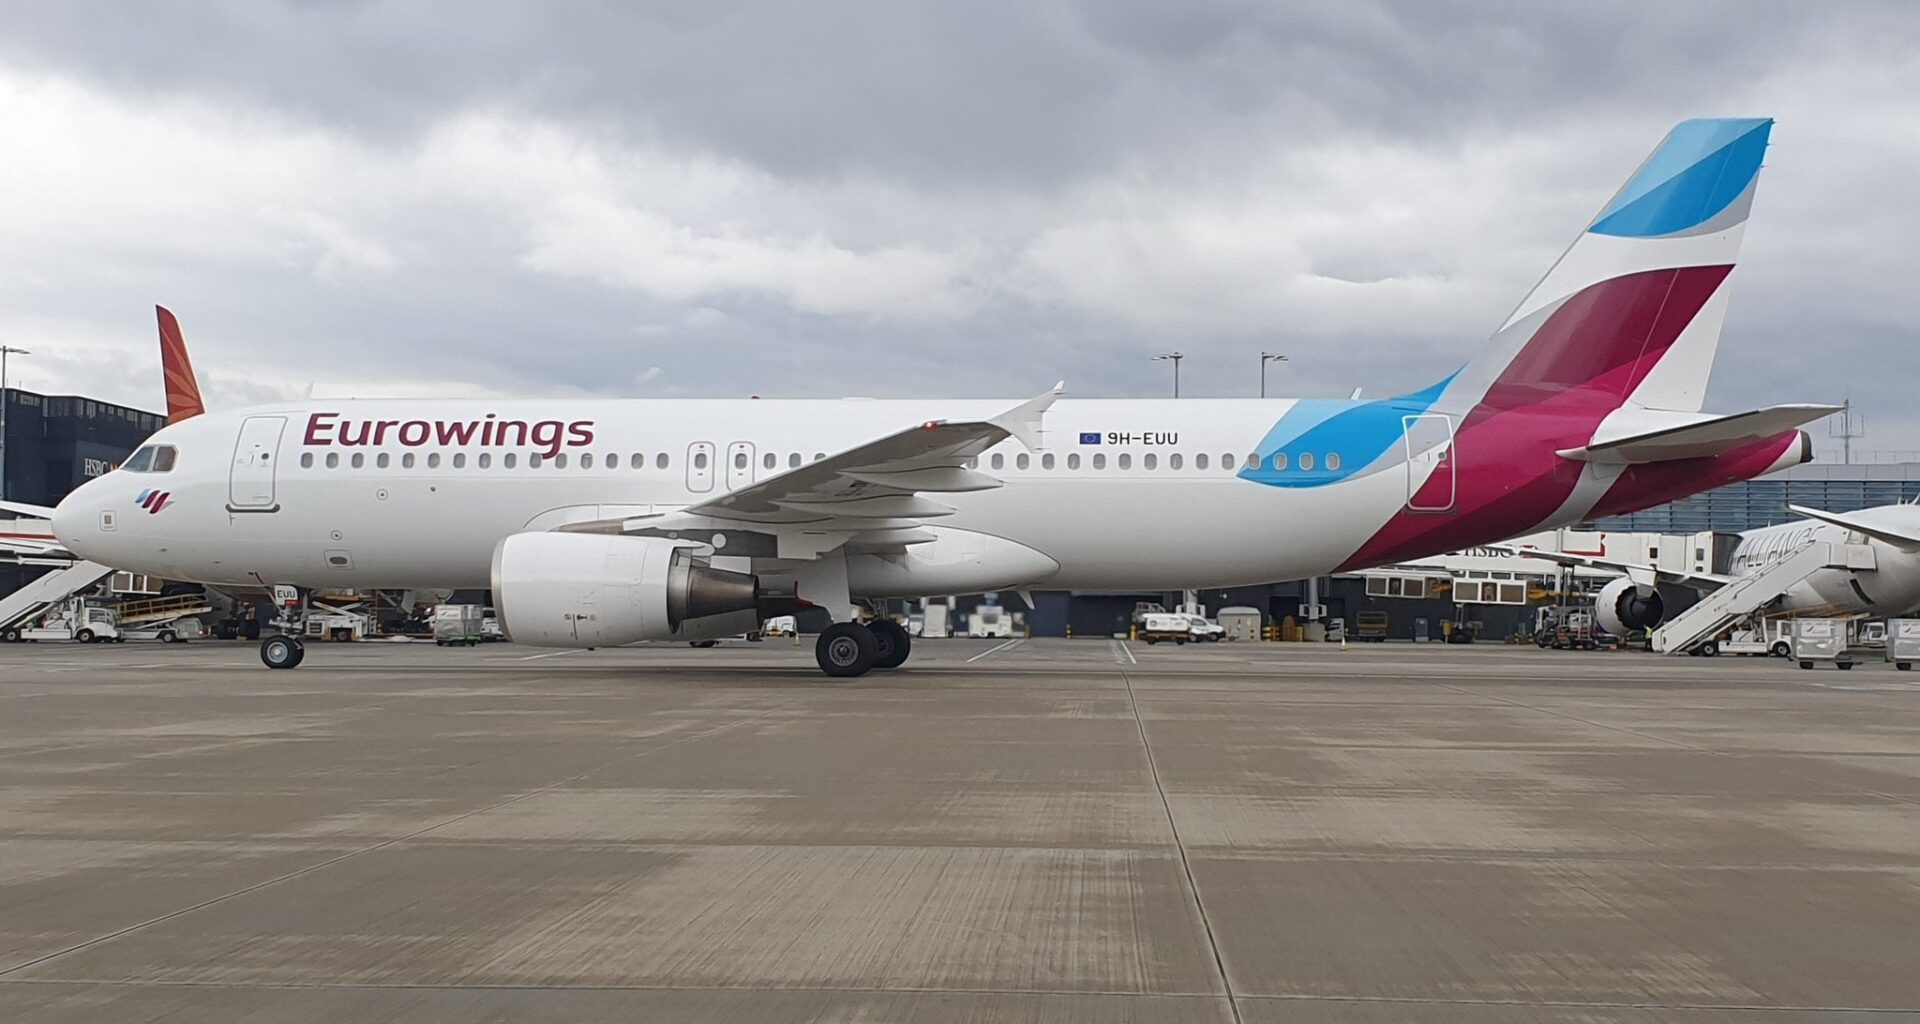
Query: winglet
[[183, 391], [1023, 420]]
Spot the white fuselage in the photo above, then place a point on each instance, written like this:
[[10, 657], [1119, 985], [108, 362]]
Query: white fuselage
[[1891, 587]]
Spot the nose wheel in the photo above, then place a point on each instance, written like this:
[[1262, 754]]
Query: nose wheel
[[282, 652]]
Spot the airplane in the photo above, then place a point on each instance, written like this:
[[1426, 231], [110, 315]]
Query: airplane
[[1891, 588], [604, 522]]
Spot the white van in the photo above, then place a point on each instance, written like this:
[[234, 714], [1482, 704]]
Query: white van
[[1158, 626], [1204, 629]]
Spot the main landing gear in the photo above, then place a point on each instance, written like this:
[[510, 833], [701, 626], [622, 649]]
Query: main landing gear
[[847, 649]]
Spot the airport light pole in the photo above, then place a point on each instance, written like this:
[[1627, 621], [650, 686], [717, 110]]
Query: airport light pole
[[1265, 358], [5, 351], [1175, 357]]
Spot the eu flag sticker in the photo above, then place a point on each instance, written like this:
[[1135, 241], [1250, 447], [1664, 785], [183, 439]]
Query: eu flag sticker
[[1089, 438]]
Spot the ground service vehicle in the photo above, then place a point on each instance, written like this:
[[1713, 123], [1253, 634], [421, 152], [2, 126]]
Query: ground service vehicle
[[1370, 627], [1158, 626]]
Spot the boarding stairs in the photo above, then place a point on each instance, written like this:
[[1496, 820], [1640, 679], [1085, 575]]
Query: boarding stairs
[[50, 589], [1749, 594]]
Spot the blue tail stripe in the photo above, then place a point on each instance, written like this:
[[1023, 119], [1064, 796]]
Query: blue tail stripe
[[1701, 168]]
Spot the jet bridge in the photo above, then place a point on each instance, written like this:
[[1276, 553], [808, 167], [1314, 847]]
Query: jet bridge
[[1747, 595]]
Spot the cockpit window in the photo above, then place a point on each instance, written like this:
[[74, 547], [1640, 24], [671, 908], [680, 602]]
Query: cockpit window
[[154, 458]]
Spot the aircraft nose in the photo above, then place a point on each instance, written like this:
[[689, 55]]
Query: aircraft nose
[[73, 516]]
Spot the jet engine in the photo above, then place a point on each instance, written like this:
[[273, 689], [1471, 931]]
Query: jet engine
[[1624, 606], [594, 590]]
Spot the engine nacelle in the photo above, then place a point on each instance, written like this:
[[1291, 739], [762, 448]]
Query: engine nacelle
[[593, 590], [1624, 606]]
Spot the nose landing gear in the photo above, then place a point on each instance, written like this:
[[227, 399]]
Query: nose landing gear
[[284, 648]]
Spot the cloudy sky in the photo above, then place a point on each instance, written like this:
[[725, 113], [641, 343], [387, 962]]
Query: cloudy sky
[[904, 198]]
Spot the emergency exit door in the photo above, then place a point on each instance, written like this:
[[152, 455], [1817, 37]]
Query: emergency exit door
[[250, 485], [700, 467], [1431, 476], [739, 464]]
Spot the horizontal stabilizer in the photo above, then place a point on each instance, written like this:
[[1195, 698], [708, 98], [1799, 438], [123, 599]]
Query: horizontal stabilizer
[[1873, 522], [1643, 437]]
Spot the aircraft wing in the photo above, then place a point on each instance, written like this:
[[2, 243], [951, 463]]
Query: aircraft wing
[[1649, 436], [21, 508], [874, 496], [1900, 535], [1639, 572]]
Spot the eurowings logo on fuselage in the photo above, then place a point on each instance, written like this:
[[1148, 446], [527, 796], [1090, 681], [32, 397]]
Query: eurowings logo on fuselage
[[153, 500], [548, 436]]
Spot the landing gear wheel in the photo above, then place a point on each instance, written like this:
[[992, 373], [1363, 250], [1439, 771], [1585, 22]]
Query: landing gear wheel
[[891, 643], [1781, 650], [282, 652], [845, 649]]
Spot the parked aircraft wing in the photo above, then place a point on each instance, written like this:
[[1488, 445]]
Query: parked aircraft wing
[[1652, 436], [874, 495], [1872, 522], [1639, 572], [21, 508]]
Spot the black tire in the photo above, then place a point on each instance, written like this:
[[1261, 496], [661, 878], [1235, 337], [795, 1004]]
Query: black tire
[[167, 636], [1843, 665], [1151, 641], [84, 636], [1710, 649], [1904, 666], [703, 644], [1806, 664], [891, 643], [1781, 649], [12, 635], [282, 652], [844, 650]]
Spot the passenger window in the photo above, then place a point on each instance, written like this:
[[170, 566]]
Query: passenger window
[[333, 460], [1020, 462], [638, 461], [739, 460], [770, 460], [1125, 461], [1148, 461], [406, 461], [1333, 460], [793, 460], [560, 461], [306, 460], [1226, 461], [1173, 461], [1073, 461], [660, 460], [506, 461], [1253, 461], [999, 461], [1199, 461], [485, 460], [817, 456], [433, 460], [1100, 460], [1280, 461], [139, 462], [586, 460], [359, 460], [381, 460], [611, 460], [163, 458], [699, 460], [1306, 460], [459, 460], [1046, 461]]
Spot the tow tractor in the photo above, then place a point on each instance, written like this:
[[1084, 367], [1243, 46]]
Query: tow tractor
[[72, 620]]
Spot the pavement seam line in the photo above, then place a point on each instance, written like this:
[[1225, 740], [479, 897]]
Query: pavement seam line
[[376, 847], [1180, 846]]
